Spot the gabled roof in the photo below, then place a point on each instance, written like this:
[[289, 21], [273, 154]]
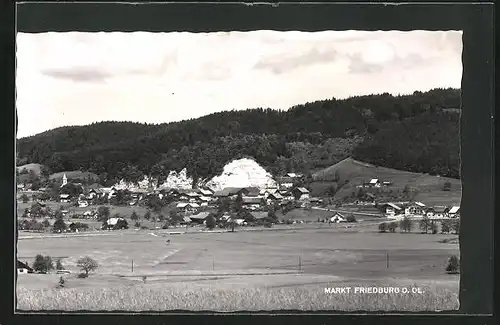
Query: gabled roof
[[291, 175], [251, 200], [338, 214], [439, 209], [374, 181], [370, 195], [186, 219], [302, 190], [454, 209], [205, 191], [276, 195], [113, 221], [420, 204], [392, 205], [21, 265], [201, 215], [259, 215], [183, 205], [64, 196]]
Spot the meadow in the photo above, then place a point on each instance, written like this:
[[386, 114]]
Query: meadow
[[244, 270]]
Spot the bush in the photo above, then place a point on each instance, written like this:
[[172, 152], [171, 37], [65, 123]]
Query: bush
[[61, 282], [453, 266], [445, 226], [405, 224], [392, 226], [351, 218], [82, 275], [59, 265], [137, 225], [447, 186], [121, 224], [434, 228], [382, 227]]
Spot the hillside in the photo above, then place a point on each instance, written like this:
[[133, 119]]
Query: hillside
[[36, 168], [411, 132], [424, 187]]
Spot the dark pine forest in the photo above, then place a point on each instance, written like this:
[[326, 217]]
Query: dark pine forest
[[417, 132]]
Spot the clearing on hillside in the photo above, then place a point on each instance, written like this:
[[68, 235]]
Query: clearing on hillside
[[75, 174], [356, 173], [31, 167]]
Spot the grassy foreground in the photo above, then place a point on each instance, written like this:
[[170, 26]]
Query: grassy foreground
[[145, 298]]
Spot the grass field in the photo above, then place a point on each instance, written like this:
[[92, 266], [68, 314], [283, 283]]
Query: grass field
[[31, 167], [74, 174], [245, 270], [430, 188]]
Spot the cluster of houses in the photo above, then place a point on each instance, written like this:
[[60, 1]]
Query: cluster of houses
[[374, 183], [419, 209]]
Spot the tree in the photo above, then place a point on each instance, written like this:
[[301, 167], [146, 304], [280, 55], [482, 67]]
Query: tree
[[147, 215], [121, 224], [382, 227], [405, 224], [271, 215], [211, 221], [87, 264], [25, 198], [59, 225], [447, 186], [392, 226], [424, 224], [103, 213], [445, 226], [43, 264], [434, 228], [332, 190], [456, 226], [134, 216], [137, 225], [59, 265], [453, 266], [46, 223]]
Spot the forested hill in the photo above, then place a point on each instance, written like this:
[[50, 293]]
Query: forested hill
[[412, 132]]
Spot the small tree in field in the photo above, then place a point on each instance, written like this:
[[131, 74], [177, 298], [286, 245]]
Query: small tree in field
[[382, 227], [86, 264], [25, 198], [59, 265], [392, 226], [134, 216], [445, 226], [147, 215], [456, 226], [447, 186], [211, 221], [434, 228], [405, 224], [453, 266], [424, 224], [43, 264]]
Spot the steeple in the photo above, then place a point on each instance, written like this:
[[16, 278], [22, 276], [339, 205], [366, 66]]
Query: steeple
[[64, 180]]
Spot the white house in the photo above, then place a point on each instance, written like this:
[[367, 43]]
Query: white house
[[437, 212], [415, 208], [83, 204], [374, 183], [188, 207], [391, 209], [454, 212], [64, 198], [23, 268], [300, 193], [337, 218]]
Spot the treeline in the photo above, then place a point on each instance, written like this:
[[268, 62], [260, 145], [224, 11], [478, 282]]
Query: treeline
[[405, 132]]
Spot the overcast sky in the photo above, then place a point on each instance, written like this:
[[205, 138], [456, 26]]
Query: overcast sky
[[79, 78]]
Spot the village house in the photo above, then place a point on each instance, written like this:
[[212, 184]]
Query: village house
[[199, 218], [233, 192], [337, 218], [185, 220], [64, 198], [391, 209], [204, 201], [252, 202], [258, 216], [23, 268], [111, 222], [206, 192], [437, 212], [454, 212], [83, 203], [285, 182], [300, 193], [187, 207], [189, 196], [415, 209]]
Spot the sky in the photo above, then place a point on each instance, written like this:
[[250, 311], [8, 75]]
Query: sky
[[79, 78]]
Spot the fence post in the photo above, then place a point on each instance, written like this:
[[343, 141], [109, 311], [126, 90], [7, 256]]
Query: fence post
[[300, 264], [387, 259], [213, 263], [132, 266]]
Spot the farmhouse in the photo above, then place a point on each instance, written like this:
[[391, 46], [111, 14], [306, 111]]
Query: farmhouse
[[83, 204], [454, 212], [286, 182], [206, 192], [259, 215], [112, 222], [300, 193], [199, 218], [185, 220], [337, 218], [23, 268], [252, 202], [415, 208], [391, 209], [64, 198], [188, 207], [437, 212]]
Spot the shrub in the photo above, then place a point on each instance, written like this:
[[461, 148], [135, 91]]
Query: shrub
[[351, 218], [405, 224], [447, 186], [453, 266], [121, 224], [424, 224], [392, 226], [456, 226], [382, 227], [82, 275], [61, 282], [445, 226], [137, 224], [59, 265], [434, 228]]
